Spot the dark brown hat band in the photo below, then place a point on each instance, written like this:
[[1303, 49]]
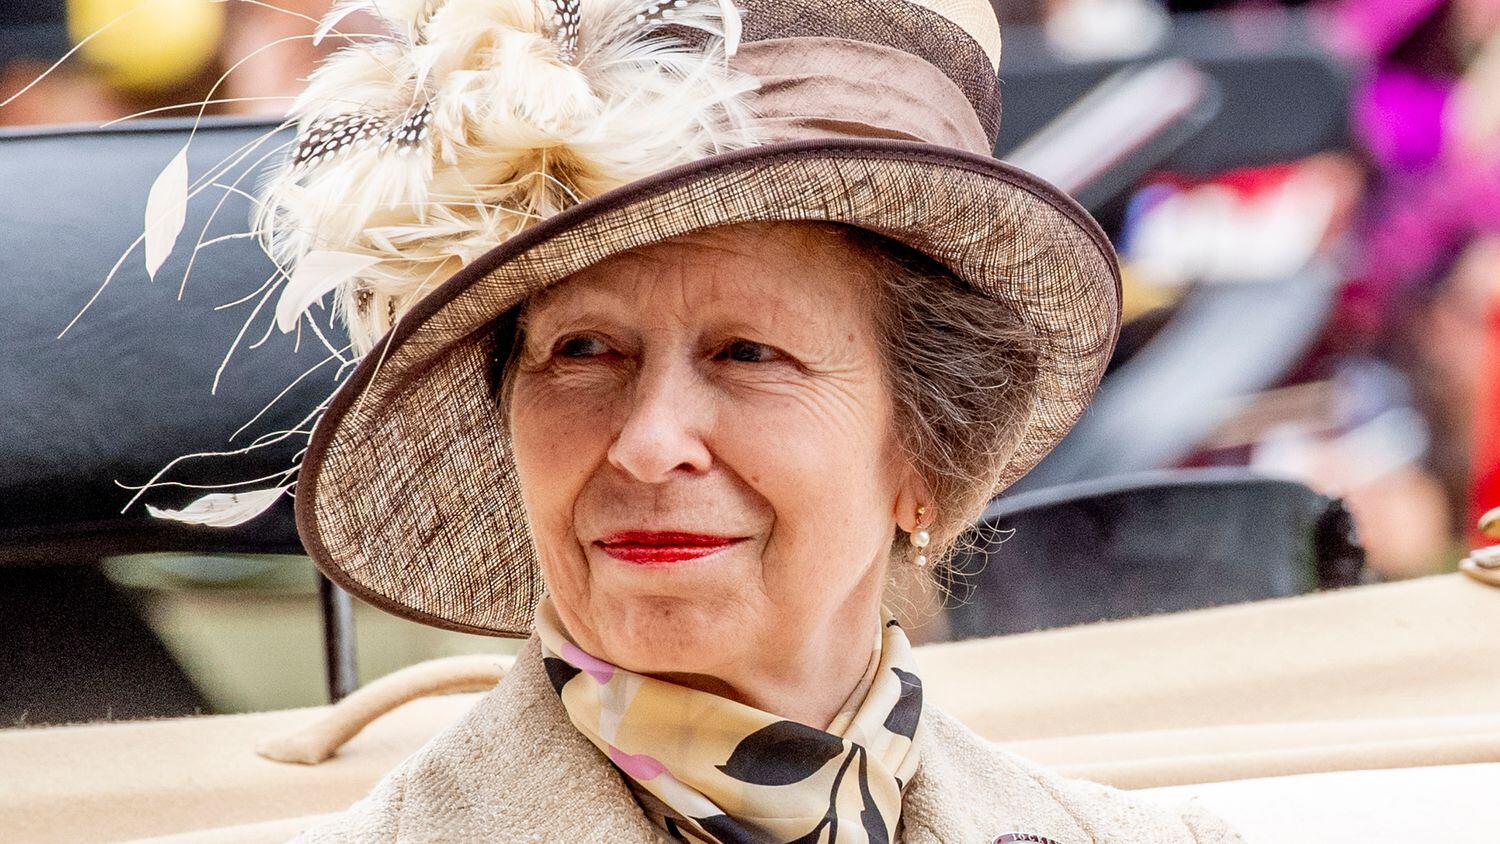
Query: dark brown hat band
[[813, 87]]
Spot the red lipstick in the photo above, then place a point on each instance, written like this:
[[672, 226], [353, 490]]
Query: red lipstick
[[661, 546]]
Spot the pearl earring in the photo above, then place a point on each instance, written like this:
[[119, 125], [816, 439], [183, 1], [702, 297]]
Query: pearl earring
[[920, 537]]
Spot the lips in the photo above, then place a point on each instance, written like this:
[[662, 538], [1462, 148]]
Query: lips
[[653, 546]]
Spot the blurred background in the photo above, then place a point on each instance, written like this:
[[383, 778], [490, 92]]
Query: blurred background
[[1305, 197]]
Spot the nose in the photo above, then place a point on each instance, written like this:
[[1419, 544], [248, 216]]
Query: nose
[[662, 431]]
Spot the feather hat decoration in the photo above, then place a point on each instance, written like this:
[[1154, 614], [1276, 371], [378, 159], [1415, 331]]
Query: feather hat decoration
[[418, 152]]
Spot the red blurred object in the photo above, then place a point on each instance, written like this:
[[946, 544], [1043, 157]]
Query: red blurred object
[[1486, 471]]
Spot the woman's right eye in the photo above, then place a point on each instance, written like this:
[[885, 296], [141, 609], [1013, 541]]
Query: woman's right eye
[[581, 346]]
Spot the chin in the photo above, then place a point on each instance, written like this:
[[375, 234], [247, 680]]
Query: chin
[[655, 635]]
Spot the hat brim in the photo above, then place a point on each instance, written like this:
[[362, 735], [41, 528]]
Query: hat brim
[[408, 495]]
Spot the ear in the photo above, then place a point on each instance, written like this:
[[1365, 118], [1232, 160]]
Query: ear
[[911, 493]]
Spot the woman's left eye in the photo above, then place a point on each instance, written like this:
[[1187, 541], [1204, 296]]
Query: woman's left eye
[[747, 351]]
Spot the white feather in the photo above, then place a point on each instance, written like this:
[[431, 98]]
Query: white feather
[[223, 509], [317, 274], [166, 211], [337, 14], [404, 18], [733, 27]]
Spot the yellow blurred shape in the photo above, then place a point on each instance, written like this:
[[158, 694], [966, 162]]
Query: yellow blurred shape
[[1140, 292], [1489, 524], [157, 44]]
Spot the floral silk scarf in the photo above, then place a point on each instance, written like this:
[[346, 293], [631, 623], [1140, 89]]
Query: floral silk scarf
[[710, 769]]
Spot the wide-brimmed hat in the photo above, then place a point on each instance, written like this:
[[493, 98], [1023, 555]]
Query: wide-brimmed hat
[[880, 114]]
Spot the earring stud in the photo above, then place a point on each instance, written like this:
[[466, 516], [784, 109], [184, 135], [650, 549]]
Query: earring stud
[[920, 537]]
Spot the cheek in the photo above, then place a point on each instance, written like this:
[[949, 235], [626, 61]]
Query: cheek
[[558, 438], [556, 426], [822, 469]]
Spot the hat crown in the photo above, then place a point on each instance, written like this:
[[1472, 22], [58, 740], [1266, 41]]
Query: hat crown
[[960, 38], [975, 17]]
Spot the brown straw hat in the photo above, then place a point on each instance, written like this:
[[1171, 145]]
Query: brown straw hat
[[876, 113]]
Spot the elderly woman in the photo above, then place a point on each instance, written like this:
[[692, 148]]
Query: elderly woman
[[739, 324]]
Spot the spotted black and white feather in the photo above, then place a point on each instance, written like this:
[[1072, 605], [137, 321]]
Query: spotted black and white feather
[[564, 25], [407, 135], [331, 136], [657, 9]]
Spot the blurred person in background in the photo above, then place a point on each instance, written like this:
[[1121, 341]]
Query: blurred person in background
[[1406, 215], [1425, 280]]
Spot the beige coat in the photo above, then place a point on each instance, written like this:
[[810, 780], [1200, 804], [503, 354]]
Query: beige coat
[[514, 769]]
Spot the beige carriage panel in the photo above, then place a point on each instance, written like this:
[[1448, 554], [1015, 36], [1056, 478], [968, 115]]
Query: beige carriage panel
[[1373, 677]]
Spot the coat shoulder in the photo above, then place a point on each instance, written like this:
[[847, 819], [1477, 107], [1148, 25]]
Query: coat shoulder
[[512, 770], [969, 789], [1111, 815]]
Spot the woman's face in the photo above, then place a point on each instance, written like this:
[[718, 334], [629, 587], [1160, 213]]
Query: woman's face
[[726, 385]]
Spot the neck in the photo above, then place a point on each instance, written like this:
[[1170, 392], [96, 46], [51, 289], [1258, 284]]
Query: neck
[[805, 676]]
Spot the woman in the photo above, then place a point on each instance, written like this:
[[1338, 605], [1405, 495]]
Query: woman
[[683, 434], [717, 438]]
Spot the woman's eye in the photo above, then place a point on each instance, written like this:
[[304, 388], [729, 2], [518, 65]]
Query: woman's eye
[[581, 347], [747, 351]]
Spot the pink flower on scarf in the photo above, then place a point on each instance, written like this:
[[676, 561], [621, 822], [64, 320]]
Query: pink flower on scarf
[[640, 766]]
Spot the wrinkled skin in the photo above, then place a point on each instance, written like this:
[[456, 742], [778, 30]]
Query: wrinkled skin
[[730, 383]]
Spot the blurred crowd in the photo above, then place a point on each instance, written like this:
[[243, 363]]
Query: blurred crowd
[[1394, 405]]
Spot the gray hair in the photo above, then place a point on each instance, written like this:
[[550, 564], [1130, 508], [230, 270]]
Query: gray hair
[[962, 369]]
